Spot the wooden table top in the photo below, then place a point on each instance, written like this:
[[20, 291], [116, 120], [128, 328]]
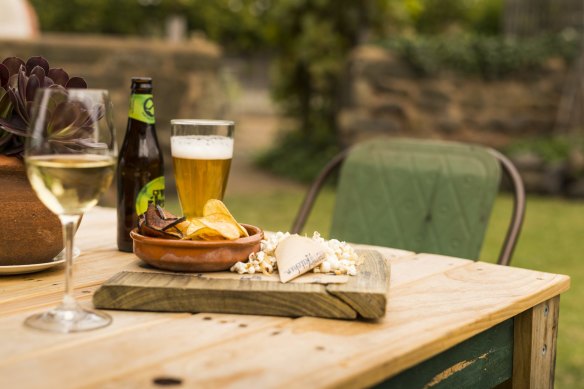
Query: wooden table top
[[435, 302]]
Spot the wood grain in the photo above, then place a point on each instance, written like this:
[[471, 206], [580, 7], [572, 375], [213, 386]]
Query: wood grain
[[424, 319], [535, 346], [36, 290], [363, 295], [83, 359], [366, 293], [435, 303], [14, 349]]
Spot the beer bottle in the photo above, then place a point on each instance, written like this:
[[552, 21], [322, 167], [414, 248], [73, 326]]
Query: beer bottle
[[140, 174]]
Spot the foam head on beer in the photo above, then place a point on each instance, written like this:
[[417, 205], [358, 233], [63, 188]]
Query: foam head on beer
[[201, 168], [201, 147]]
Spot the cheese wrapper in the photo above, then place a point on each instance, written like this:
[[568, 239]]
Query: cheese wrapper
[[297, 255]]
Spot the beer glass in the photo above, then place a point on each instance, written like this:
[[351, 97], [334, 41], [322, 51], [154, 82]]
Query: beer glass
[[201, 154]]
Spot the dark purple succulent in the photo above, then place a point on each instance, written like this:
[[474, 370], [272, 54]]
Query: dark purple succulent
[[19, 82]]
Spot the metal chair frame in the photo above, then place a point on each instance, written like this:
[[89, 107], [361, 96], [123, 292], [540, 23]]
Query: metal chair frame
[[515, 223]]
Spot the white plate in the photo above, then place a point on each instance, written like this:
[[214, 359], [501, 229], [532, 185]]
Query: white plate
[[32, 268]]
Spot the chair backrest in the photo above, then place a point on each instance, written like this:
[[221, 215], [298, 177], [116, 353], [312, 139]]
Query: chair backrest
[[419, 195]]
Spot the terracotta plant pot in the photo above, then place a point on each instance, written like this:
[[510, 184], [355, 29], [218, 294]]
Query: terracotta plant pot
[[29, 232]]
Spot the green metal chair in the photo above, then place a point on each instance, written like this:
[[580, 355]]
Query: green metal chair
[[419, 195]]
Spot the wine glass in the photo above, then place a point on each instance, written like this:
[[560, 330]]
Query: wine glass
[[70, 158]]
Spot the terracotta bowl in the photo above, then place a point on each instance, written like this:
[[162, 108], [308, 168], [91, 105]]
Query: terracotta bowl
[[196, 256]]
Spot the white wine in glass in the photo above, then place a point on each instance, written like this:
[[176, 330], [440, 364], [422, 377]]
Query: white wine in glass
[[70, 161], [70, 184]]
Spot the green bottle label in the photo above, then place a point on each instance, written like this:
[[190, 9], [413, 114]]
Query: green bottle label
[[151, 192], [142, 108]]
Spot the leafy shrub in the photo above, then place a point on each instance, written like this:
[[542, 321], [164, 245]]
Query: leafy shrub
[[296, 158], [237, 24], [311, 43], [437, 16], [490, 57], [550, 149]]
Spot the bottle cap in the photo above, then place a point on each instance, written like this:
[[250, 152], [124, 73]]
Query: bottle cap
[[141, 83]]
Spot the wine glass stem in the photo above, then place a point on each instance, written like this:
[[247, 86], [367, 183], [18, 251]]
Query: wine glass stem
[[69, 223]]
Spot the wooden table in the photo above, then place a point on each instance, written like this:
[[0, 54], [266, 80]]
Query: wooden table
[[450, 323]]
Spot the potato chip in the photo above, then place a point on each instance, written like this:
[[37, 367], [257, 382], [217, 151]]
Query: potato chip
[[146, 230], [214, 206], [222, 224], [182, 227], [217, 223], [212, 237], [173, 231], [189, 228], [156, 221], [204, 233]]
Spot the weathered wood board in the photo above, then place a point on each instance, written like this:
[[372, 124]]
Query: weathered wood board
[[363, 296], [481, 362]]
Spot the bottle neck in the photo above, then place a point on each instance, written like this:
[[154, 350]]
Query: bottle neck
[[138, 90]]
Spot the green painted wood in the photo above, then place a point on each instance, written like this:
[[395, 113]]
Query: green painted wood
[[483, 361], [418, 195]]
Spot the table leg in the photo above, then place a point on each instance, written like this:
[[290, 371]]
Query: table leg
[[534, 349]]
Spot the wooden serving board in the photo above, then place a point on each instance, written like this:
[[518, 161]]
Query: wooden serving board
[[363, 296]]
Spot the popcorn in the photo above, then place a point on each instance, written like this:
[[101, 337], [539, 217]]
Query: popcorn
[[341, 258]]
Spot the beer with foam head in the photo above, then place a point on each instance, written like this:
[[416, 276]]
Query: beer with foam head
[[201, 167]]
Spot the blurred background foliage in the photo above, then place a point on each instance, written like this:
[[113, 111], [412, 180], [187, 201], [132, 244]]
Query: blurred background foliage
[[309, 41], [252, 24], [438, 16], [490, 57]]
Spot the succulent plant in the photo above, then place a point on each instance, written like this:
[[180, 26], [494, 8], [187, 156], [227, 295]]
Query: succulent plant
[[19, 82]]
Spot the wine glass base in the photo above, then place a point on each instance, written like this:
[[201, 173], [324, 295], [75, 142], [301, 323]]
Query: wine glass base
[[61, 255], [65, 320]]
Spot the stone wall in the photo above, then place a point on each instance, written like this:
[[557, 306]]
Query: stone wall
[[186, 76], [383, 96]]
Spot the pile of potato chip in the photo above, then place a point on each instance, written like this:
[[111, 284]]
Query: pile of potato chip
[[217, 223]]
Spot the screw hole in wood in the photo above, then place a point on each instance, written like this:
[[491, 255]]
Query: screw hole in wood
[[167, 381]]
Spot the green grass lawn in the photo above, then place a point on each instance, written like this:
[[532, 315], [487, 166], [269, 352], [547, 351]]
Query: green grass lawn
[[551, 241]]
